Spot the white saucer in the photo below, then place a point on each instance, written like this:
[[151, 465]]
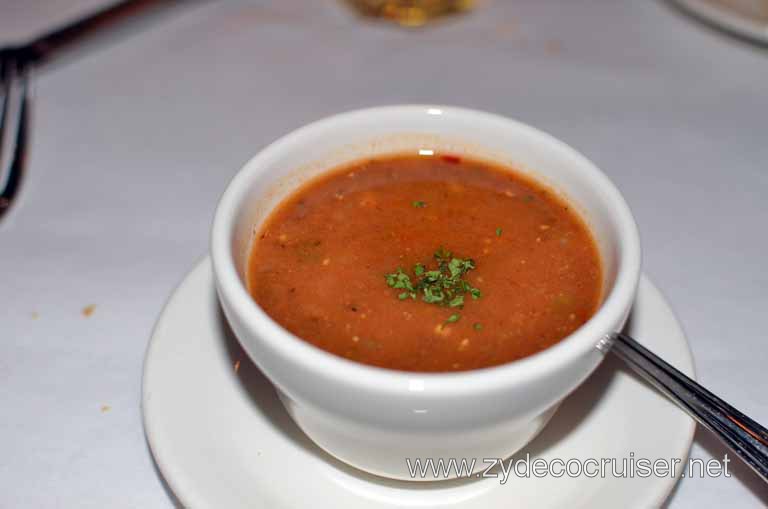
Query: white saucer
[[221, 438]]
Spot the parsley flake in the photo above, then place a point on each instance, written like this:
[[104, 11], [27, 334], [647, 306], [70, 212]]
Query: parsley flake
[[442, 286], [419, 204]]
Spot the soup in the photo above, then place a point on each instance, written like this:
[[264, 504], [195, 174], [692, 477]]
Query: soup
[[426, 263]]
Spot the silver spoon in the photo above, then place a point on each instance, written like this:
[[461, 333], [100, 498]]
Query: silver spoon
[[745, 437]]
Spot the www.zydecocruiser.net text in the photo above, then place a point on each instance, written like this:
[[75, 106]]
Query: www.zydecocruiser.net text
[[503, 470]]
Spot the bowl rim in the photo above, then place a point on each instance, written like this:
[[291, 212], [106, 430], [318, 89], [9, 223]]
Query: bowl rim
[[236, 299]]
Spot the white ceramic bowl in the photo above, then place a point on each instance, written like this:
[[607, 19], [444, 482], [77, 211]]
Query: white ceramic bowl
[[375, 418]]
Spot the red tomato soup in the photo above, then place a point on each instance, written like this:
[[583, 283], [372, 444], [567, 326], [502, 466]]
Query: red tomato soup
[[426, 263]]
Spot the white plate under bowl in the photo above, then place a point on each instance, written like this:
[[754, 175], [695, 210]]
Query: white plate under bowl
[[221, 437]]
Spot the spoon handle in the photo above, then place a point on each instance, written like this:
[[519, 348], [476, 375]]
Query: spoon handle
[[745, 437]]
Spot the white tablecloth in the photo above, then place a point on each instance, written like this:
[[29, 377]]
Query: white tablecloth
[[134, 139]]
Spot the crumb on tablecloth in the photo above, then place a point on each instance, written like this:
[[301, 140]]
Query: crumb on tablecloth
[[553, 47]]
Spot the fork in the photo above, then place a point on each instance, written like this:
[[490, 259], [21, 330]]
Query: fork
[[16, 63], [14, 87]]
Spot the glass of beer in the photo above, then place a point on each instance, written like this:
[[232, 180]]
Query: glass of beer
[[410, 12]]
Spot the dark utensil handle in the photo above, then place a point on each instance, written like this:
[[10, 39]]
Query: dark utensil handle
[[44, 46], [747, 438]]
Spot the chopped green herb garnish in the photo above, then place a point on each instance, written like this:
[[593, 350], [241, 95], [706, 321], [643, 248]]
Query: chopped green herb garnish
[[399, 279], [419, 204], [443, 286], [498, 232], [477, 326], [453, 318]]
